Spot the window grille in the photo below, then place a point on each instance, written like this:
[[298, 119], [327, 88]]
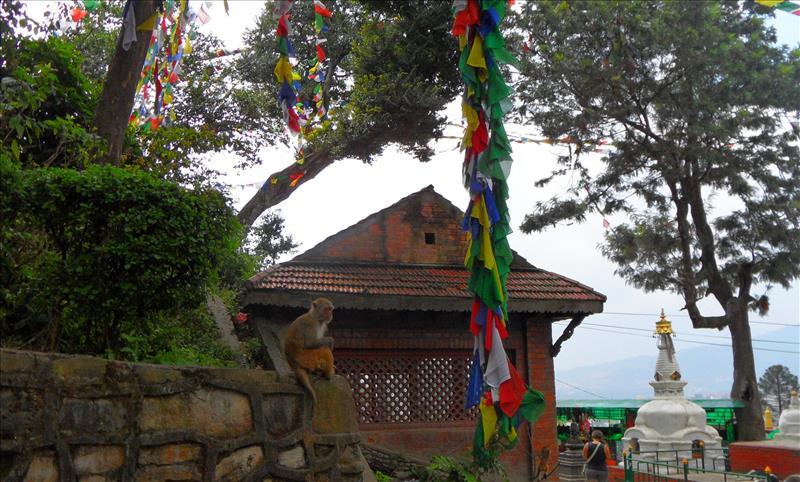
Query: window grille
[[407, 386]]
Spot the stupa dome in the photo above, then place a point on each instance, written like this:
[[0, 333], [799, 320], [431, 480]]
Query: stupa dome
[[670, 421], [789, 423]]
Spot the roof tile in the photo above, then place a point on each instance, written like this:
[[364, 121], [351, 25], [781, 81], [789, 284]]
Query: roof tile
[[414, 280]]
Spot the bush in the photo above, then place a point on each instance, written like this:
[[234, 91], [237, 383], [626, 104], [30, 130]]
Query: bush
[[93, 261]]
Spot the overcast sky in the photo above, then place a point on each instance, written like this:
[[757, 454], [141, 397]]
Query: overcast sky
[[349, 191]]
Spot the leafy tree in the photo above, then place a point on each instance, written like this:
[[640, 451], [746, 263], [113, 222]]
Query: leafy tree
[[50, 93], [776, 385], [47, 106], [130, 248], [693, 98], [392, 70], [268, 242]]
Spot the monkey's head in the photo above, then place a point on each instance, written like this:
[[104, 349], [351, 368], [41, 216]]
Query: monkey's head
[[323, 309]]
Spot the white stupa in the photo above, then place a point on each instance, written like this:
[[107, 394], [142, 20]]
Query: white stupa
[[789, 423], [670, 421]]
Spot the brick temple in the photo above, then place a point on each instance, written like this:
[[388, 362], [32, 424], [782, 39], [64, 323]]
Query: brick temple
[[401, 326]]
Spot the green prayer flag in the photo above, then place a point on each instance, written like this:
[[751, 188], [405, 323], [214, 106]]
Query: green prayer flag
[[532, 405]]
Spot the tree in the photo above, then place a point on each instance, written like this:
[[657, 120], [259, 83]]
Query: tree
[[268, 242], [53, 263], [693, 98], [130, 249], [776, 384], [391, 71]]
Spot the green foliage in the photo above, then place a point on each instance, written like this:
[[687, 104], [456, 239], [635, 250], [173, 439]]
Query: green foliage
[[776, 385], [269, 241], [381, 477], [118, 262], [444, 468], [130, 252], [693, 97], [392, 70], [47, 106]]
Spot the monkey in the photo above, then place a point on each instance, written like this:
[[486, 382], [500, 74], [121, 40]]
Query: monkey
[[306, 348], [542, 464]]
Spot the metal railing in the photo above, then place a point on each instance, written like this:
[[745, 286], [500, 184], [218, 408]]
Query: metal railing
[[670, 465]]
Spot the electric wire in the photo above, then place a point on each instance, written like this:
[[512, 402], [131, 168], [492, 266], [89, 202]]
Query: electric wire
[[581, 389], [760, 340], [691, 341], [687, 316]]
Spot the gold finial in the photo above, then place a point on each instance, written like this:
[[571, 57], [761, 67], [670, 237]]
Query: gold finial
[[663, 325]]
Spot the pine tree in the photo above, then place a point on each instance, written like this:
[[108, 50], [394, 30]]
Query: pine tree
[[693, 98]]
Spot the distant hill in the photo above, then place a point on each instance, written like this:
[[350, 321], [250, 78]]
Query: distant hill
[[708, 369]]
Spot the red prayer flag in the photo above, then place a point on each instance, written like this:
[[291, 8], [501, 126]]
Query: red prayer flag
[[321, 54], [480, 138], [283, 26], [473, 326], [77, 14], [511, 392], [320, 9]]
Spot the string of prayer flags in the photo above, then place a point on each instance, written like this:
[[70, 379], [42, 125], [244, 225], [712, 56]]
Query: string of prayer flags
[[284, 73], [172, 30], [789, 7], [494, 384], [320, 65], [298, 114]]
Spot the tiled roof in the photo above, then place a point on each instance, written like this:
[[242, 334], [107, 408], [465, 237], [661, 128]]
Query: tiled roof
[[527, 286], [384, 262]]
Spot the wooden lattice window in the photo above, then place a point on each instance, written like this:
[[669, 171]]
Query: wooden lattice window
[[407, 386]]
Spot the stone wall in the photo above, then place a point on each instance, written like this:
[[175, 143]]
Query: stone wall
[[90, 419]]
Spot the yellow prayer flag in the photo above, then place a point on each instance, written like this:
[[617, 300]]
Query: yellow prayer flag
[[148, 24], [468, 255], [472, 123], [769, 3], [479, 212], [476, 58], [187, 46], [488, 421], [283, 70]]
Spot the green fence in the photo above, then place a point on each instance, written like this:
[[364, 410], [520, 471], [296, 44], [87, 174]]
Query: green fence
[[671, 465]]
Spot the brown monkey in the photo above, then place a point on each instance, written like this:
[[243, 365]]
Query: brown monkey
[[307, 349]]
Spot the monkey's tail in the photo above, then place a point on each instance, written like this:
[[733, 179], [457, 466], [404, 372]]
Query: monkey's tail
[[302, 377]]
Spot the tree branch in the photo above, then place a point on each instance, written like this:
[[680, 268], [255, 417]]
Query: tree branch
[[273, 194]]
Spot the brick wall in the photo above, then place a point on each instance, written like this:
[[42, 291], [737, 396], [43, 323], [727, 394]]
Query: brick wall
[[541, 376], [398, 235]]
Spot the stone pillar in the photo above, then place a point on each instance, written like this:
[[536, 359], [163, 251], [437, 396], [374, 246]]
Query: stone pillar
[[570, 462]]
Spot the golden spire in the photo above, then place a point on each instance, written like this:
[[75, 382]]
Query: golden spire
[[663, 325]]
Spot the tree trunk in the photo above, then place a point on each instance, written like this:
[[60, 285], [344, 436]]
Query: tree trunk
[[745, 382], [272, 194], [119, 88]]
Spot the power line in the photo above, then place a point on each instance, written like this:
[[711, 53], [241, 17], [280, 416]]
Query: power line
[[760, 340], [581, 389], [691, 341], [686, 316]]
